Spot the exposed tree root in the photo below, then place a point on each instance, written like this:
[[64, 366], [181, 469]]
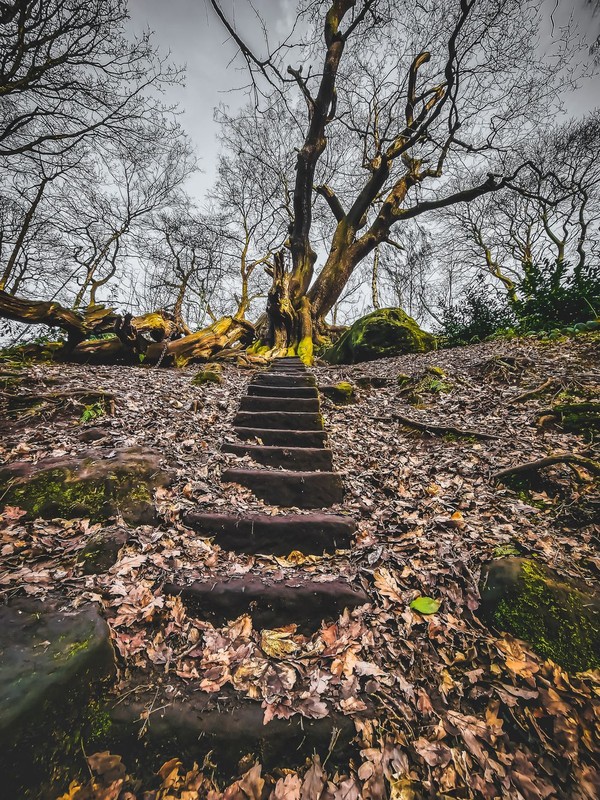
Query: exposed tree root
[[15, 403], [536, 392], [438, 430], [558, 458]]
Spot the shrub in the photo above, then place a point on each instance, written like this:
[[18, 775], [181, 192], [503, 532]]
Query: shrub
[[479, 313], [555, 295]]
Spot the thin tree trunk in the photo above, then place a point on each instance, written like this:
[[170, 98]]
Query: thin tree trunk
[[375, 279], [22, 234]]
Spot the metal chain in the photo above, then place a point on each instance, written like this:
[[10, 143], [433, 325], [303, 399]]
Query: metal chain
[[164, 350]]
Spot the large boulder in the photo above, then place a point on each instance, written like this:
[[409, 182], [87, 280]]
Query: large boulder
[[53, 667], [384, 333], [97, 484], [558, 616]]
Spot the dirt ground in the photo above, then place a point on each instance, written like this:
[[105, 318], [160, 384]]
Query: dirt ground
[[443, 707]]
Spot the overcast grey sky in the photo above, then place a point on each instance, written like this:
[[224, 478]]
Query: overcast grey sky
[[190, 30]]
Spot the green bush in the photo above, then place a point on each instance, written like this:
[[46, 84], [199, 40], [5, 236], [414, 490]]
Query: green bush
[[478, 314], [552, 294]]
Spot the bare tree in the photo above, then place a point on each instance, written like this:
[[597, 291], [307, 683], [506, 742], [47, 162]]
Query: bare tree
[[102, 212], [548, 220], [253, 197], [454, 81], [184, 263], [67, 72]]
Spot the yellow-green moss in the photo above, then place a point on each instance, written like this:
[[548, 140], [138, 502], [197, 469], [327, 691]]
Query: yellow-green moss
[[341, 393], [207, 376], [306, 351], [57, 493], [554, 618], [438, 371]]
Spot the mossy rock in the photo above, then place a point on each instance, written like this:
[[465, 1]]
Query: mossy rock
[[437, 371], [342, 394], [210, 374], [97, 484], [54, 668], [579, 418], [557, 616], [383, 333]]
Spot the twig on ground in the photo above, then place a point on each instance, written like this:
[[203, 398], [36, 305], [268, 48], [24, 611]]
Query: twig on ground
[[439, 430]]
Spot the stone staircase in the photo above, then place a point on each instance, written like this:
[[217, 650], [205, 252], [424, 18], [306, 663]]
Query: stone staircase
[[280, 413]]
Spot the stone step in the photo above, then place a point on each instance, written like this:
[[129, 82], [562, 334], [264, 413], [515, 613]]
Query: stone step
[[272, 604], [225, 727], [282, 391], [296, 404], [277, 535], [294, 458], [282, 438], [289, 489], [288, 373], [277, 379], [279, 420]]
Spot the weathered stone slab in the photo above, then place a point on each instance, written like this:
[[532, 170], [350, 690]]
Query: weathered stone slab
[[280, 420], [284, 438], [229, 727], [296, 404], [288, 371], [558, 616], [278, 379], [96, 484], [279, 535], [290, 489], [282, 391], [53, 664], [284, 363], [272, 604], [295, 458]]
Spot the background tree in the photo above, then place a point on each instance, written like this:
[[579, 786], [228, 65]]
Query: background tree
[[542, 240], [184, 264], [67, 72]]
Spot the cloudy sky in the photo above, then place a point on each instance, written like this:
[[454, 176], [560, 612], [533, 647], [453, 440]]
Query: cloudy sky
[[196, 39]]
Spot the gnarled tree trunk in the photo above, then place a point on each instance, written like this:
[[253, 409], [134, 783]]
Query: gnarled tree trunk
[[153, 338]]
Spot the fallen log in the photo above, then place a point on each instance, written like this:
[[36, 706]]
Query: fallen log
[[94, 321], [204, 345]]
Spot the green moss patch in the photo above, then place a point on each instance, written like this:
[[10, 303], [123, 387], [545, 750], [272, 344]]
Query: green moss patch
[[97, 487], [210, 374], [557, 617]]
